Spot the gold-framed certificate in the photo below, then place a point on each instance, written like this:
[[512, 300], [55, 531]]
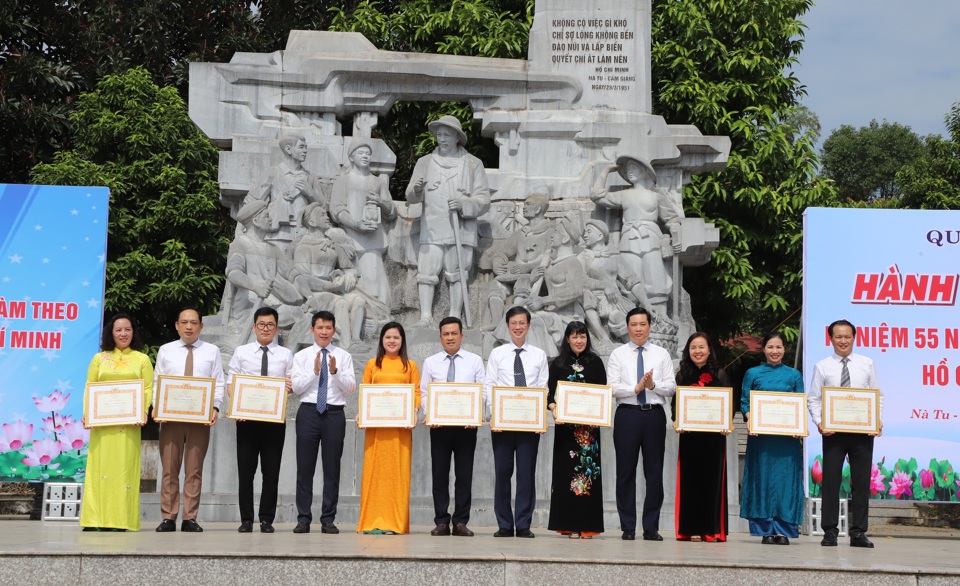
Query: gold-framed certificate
[[774, 413], [518, 409], [850, 410], [458, 404], [704, 409], [258, 398], [184, 398], [387, 406], [584, 404], [118, 402]]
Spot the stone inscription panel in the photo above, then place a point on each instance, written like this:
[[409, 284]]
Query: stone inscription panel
[[602, 47]]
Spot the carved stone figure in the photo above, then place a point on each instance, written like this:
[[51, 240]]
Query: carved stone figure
[[602, 291], [452, 185], [287, 188], [256, 271], [361, 204], [324, 274], [511, 260], [642, 207]]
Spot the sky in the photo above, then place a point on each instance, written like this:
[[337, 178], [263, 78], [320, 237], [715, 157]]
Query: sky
[[881, 59]]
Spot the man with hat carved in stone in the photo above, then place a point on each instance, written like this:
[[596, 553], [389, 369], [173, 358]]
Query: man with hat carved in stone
[[452, 185], [642, 208], [360, 204]]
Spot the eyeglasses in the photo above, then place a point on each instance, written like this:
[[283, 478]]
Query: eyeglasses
[[265, 326]]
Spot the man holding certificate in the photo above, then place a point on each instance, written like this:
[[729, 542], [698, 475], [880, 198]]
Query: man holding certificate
[[453, 364], [517, 364], [183, 443], [642, 378], [260, 440], [844, 369], [323, 376]]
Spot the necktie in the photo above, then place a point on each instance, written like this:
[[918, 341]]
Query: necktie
[[642, 395], [519, 378], [322, 388], [452, 369], [845, 373], [188, 365], [263, 361]]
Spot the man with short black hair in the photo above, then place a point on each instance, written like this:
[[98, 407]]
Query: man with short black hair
[[452, 364], [323, 376], [642, 378], [260, 440]]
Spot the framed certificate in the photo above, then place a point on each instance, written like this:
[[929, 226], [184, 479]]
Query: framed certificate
[[518, 409], [459, 404], [118, 402], [184, 398], [584, 404], [778, 413], [387, 406], [850, 410], [704, 409], [258, 398]]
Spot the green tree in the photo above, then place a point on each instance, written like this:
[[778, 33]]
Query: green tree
[[932, 180], [723, 66], [864, 162], [168, 234]]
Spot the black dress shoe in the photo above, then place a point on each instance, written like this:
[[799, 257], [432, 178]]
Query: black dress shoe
[[767, 540], [861, 541], [525, 533], [329, 529], [828, 541], [191, 526], [440, 529], [629, 535], [781, 540], [652, 536], [302, 527], [266, 527], [166, 526], [461, 530], [503, 533], [245, 527]]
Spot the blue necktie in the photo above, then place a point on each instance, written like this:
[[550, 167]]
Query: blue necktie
[[519, 378], [642, 395], [452, 369], [322, 388]]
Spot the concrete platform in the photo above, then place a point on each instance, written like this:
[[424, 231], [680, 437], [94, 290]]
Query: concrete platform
[[60, 554]]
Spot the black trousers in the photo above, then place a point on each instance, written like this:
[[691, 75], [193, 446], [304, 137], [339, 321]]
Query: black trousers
[[259, 442], [460, 444], [521, 446], [637, 432], [859, 448], [323, 433]]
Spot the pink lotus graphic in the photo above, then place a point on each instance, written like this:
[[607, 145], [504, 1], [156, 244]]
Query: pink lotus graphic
[[55, 401], [41, 453], [926, 479], [876, 481], [900, 485], [15, 436], [817, 472], [74, 436], [54, 425]]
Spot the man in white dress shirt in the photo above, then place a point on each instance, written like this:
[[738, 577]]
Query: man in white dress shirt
[[260, 440], [323, 376], [517, 364], [844, 369], [453, 364], [186, 443], [642, 378]]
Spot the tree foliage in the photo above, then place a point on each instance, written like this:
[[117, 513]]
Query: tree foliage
[[167, 238], [864, 162], [932, 180], [722, 66]]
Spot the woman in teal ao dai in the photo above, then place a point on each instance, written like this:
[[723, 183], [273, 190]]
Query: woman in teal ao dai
[[772, 493]]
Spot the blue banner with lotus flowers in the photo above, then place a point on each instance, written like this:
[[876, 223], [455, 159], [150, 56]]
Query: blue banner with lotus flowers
[[53, 243]]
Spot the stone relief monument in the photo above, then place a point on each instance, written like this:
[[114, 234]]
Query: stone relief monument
[[552, 227]]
